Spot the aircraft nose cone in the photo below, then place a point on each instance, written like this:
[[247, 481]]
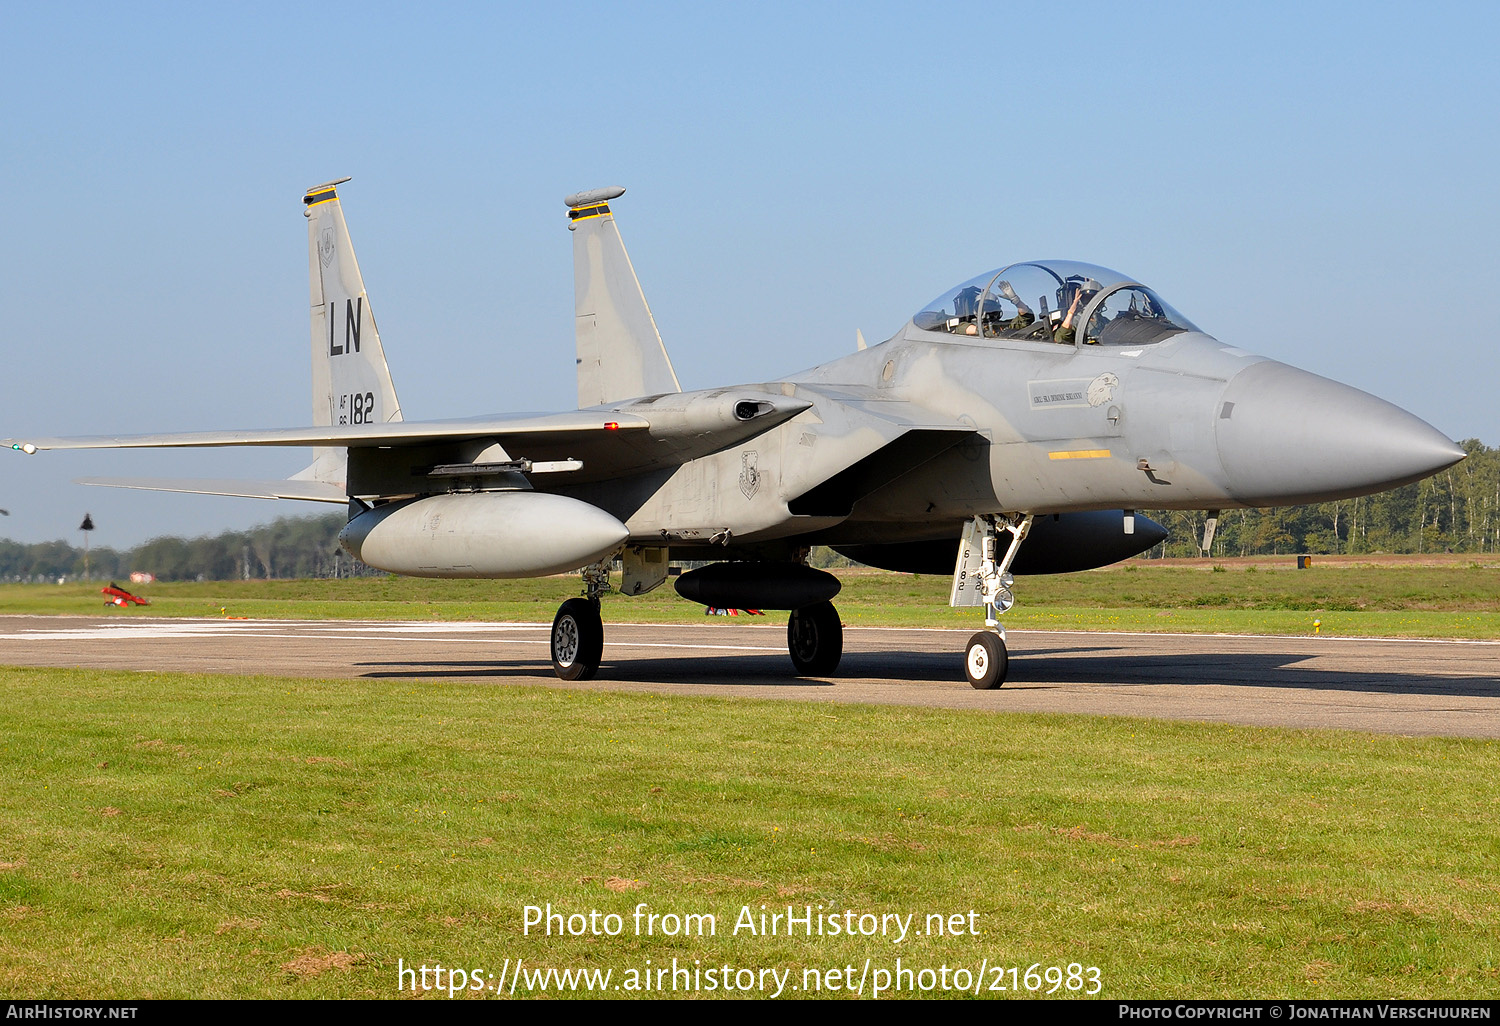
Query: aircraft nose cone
[[1286, 436]]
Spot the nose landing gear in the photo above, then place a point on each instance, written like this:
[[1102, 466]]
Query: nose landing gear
[[985, 660], [979, 579]]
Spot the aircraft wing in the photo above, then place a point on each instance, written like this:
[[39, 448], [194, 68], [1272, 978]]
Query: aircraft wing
[[398, 433], [399, 457]]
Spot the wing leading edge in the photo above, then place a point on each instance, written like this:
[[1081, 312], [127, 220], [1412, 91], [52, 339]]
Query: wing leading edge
[[596, 444], [306, 491], [344, 436]]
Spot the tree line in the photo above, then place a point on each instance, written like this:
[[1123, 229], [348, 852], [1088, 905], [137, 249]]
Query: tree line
[[1457, 510], [291, 547]]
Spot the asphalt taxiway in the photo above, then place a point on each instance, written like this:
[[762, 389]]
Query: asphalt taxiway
[[1393, 686]]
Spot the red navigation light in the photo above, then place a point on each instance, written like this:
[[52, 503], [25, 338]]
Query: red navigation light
[[611, 425]]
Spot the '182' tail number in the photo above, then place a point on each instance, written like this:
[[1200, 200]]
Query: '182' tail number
[[357, 408]]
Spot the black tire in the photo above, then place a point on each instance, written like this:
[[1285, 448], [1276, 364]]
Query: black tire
[[815, 639], [985, 661], [577, 640]]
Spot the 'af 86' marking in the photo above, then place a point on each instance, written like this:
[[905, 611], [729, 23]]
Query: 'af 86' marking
[[357, 408]]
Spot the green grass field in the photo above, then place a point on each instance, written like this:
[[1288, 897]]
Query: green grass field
[[187, 836], [180, 836], [1459, 598]]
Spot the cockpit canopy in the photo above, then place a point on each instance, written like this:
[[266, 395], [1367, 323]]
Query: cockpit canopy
[[1060, 301]]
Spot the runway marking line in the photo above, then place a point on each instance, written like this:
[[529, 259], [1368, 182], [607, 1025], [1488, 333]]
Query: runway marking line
[[146, 630], [183, 627]]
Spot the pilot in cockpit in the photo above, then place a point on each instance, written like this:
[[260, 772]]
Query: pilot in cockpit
[[966, 310], [1024, 318], [1083, 291]]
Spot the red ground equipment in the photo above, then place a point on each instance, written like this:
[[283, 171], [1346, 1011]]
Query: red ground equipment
[[118, 596]]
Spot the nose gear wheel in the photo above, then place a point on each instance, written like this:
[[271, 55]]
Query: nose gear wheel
[[985, 661]]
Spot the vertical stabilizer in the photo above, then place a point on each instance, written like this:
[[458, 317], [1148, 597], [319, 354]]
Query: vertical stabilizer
[[351, 383], [620, 352]]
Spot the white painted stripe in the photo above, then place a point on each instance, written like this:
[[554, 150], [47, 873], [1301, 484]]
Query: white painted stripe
[[170, 628]]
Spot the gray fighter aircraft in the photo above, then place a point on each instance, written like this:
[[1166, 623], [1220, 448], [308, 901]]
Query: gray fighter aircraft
[[1010, 427]]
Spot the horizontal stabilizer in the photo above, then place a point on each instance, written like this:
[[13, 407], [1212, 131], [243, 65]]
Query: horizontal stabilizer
[[310, 491]]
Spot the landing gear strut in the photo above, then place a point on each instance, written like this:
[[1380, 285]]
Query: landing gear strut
[[815, 639], [578, 629], [980, 579]]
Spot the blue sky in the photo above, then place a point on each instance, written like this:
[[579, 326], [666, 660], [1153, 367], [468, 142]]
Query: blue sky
[[1310, 182]]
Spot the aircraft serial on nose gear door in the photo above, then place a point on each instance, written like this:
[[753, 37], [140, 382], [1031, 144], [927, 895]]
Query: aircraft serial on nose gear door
[[1011, 427]]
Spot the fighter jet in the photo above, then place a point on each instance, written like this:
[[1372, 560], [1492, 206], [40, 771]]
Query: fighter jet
[[1011, 427]]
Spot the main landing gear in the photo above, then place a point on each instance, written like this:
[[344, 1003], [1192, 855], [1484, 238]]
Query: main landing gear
[[577, 639], [578, 629], [814, 634], [980, 579], [815, 639]]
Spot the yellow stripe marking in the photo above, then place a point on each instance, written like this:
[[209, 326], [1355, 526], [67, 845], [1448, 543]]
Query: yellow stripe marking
[[1080, 454]]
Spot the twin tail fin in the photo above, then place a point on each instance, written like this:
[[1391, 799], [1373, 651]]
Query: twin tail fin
[[620, 351]]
